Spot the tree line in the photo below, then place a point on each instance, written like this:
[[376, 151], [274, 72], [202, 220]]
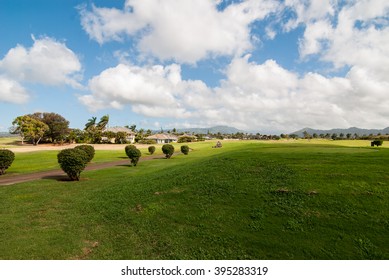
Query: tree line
[[53, 128]]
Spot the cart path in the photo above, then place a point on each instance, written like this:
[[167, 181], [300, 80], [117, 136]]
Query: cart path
[[58, 174]]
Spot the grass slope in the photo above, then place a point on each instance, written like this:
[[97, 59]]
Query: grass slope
[[244, 201]]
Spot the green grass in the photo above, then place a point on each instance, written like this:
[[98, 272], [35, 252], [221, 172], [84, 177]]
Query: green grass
[[30, 162], [7, 142], [247, 200]]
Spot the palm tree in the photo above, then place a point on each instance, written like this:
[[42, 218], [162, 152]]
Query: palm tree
[[91, 123], [103, 122]]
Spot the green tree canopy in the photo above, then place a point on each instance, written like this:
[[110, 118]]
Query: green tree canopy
[[58, 125], [30, 128]]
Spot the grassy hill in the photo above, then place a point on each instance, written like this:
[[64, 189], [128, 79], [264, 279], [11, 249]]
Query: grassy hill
[[247, 200]]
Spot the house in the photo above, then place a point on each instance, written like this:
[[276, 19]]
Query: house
[[129, 134], [163, 138]]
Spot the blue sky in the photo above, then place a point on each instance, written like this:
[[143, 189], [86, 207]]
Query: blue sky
[[259, 65]]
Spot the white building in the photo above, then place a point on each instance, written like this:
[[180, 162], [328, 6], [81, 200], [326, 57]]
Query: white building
[[162, 138]]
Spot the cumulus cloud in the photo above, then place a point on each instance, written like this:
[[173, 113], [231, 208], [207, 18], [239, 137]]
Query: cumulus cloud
[[47, 62], [264, 96], [12, 92], [151, 91], [186, 31], [253, 96], [352, 34]]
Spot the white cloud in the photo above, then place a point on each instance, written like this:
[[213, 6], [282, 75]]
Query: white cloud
[[47, 62], [150, 91], [308, 11], [186, 31], [12, 92], [104, 24], [253, 96], [354, 33]]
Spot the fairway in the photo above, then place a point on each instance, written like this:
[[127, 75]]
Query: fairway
[[246, 200]]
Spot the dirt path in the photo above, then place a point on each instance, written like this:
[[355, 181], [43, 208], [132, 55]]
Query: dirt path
[[60, 175]]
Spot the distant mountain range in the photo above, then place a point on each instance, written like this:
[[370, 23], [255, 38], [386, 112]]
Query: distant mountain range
[[213, 130], [7, 134], [352, 130]]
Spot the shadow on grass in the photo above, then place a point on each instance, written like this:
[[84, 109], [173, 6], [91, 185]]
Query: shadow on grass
[[61, 178], [125, 165]]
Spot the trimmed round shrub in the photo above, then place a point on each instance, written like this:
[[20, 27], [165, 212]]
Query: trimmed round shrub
[[129, 147], [73, 162], [185, 149], [6, 159], [88, 149], [151, 150], [133, 153], [168, 150]]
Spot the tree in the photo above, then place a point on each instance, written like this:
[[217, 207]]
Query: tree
[[307, 135], [132, 127], [121, 137], [76, 135], [94, 130], [6, 159], [58, 125], [103, 123], [91, 123], [30, 128]]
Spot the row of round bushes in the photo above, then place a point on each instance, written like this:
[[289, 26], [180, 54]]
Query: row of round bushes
[[73, 161]]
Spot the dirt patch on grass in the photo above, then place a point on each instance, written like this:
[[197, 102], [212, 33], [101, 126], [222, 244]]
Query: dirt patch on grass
[[86, 250]]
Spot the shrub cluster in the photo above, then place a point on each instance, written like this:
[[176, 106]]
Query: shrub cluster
[[133, 153], [151, 150], [147, 141], [168, 150], [377, 143], [185, 139], [73, 162], [185, 149], [88, 149], [6, 159]]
